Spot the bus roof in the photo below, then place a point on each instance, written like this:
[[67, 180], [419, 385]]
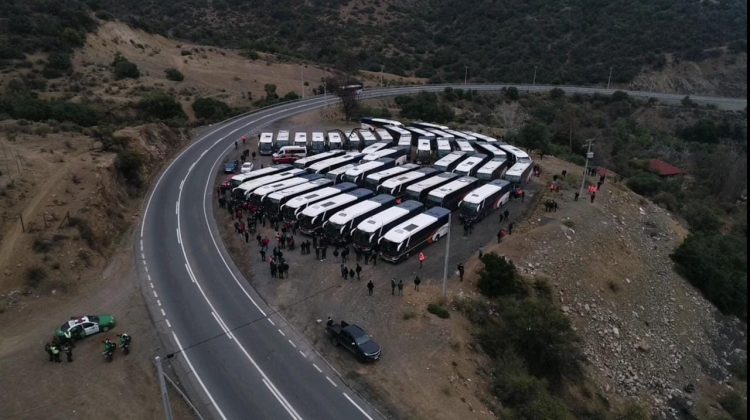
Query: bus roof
[[280, 185], [452, 186], [378, 220], [441, 133], [400, 130], [282, 135], [492, 165], [433, 180], [266, 137], [337, 200], [320, 194], [470, 162], [482, 137], [519, 154], [375, 147], [318, 136], [491, 149], [367, 135], [518, 169], [362, 167], [349, 213], [404, 230], [480, 194], [381, 121], [464, 146], [443, 144], [383, 153], [450, 158], [420, 132], [341, 169], [423, 144], [258, 182], [422, 124], [260, 172], [299, 188], [318, 166], [334, 137], [392, 171], [300, 136], [317, 157], [461, 135], [398, 180], [384, 135]]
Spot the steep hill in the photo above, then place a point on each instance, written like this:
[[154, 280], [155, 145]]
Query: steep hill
[[562, 41]]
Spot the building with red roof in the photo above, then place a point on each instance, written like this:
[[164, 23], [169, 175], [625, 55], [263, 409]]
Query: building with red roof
[[663, 169]]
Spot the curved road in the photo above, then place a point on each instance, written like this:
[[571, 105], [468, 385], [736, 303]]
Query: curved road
[[240, 360]]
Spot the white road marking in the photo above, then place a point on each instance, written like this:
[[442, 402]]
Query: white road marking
[[317, 368], [303, 354], [271, 321], [280, 398], [190, 273], [282, 333], [168, 324], [154, 292], [151, 284], [197, 377], [292, 343], [331, 381], [158, 302], [141, 244], [177, 207], [179, 239], [162, 312], [358, 407], [223, 326]]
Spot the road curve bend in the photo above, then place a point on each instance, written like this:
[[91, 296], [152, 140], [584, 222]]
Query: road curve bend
[[237, 359]]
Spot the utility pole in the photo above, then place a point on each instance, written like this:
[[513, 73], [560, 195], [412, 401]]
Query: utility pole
[[589, 155], [302, 79], [533, 82], [447, 253], [609, 79], [163, 388], [466, 73]]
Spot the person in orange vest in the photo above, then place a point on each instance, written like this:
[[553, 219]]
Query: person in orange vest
[[422, 257]]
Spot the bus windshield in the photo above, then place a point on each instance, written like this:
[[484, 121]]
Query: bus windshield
[[361, 237], [332, 230], [390, 248], [469, 209]]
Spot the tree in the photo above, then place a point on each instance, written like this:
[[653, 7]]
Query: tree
[[123, 68], [174, 75], [349, 103], [160, 106], [270, 90], [512, 93], [499, 277], [209, 109], [535, 136]]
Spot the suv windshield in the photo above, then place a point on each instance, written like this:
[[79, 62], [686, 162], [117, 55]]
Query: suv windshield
[[362, 339]]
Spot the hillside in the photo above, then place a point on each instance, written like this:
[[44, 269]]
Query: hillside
[[564, 42]]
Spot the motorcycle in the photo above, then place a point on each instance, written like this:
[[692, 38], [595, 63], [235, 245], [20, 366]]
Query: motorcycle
[[108, 355], [109, 350], [125, 343]]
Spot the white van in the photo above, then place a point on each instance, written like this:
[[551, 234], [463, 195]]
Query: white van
[[289, 154]]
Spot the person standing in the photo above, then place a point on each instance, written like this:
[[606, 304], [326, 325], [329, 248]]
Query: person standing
[[460, 269], [510, 228], [576, 195], [344, 271], [351, 273], [55, 352], [68, 350], [422, 257], [370, 287], [401, 287], [593, 196], [417, 281], [272, 264], [506, 213], [393, 289], [359, 271], [48, 349]]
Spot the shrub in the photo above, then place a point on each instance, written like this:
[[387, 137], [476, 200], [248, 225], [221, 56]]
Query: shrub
[[512, 93], [735, 405], [84, 230], [58, 64], [702, 218], [77, 113], [160, 106], [123, 68], [717, 265], [210, 109], [438, 310], [424, 106], [499, 277], [129, 164], [35, 276], [42, 246], [644, 183], [174, 75]]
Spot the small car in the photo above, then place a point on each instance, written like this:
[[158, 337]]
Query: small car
[[246, 167], [355, 339], [232, 167], [86, 325]]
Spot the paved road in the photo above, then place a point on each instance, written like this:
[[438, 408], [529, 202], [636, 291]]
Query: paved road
[[238, 359]]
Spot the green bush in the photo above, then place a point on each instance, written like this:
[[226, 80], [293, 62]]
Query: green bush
[[424, 106], [58, 64], [512, 93], [77, 113], [499, 277], [717, 265], [174, 75], [645, 183], [209, 109], [438, 310], [159, 105], [123, 68], [130, 165], [84, 230], [735, 405], [35, 276], [702, 218]]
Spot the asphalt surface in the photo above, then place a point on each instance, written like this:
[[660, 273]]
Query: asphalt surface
[[239, 360]]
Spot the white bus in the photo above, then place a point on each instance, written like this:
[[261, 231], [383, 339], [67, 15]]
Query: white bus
[[368, 137], [490, 149], [256, 198], [368, 123], [237, 180], [470, 165], [464, 146], [461, 135], [335, 141], [443, 148], [413, 234], [419, 133], [449, 162], [354, 141], [450, 194], [300, 139], [441, 134], [311, 219], [337, 175], [282, 139], [265, 143], [519, 173], [482, 137], [403, 136], [419, 190], [494, 169], [368, 232], [373, 180], [247, 187], [358, 173], [272, 204], [338, 228], [426, 125], [294, 207], [374, 147], [425, 151], [310, 160], [318, 143], [384, 136], [396, 153], [326, 165], [482, 201], [396, 186], [515, 154]]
